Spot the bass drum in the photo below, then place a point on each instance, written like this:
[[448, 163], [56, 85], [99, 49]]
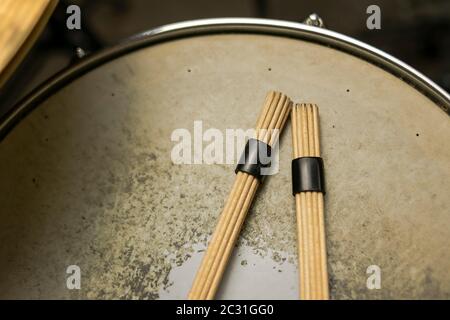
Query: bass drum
[[89, 192]]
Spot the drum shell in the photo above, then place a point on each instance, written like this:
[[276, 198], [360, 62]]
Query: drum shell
[[87, 177]]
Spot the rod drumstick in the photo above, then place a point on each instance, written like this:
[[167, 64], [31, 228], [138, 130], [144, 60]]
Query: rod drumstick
[[313, 273], [272, 119]]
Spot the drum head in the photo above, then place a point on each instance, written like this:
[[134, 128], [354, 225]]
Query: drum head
[[87, 177]]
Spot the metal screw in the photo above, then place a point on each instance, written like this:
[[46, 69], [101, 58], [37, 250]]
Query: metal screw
[[80, 53], [314, 20]]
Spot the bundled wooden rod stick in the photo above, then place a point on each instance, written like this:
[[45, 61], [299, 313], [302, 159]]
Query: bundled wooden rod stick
[[309, 202], [272, 119]]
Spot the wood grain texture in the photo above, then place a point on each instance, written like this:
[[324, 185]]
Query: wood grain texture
[[21, 22], [272, 119], [310, 209]]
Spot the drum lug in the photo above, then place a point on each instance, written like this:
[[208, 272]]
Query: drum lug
[[80, 53], [314, 20]]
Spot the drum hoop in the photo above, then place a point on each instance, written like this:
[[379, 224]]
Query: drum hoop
[[227, 25]]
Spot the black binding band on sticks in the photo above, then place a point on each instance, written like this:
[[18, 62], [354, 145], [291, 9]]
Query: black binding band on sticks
[[308, 175], [256, 156]]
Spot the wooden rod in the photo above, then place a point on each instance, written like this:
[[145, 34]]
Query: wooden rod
[[273, 117], [313, 273]]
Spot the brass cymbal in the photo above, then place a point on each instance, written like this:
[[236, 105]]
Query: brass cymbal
[[21, 22]]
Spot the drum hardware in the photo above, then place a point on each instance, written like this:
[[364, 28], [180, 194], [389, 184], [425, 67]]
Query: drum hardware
[[314, 20], [80, 53], [309, 188], [272, 120]]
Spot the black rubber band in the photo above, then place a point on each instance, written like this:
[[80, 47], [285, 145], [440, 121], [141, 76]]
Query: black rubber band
[[256, 156], [308, 175]]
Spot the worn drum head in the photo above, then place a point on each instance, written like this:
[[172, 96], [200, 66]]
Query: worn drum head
[[87, 177]]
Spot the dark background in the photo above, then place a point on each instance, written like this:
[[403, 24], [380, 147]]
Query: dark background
[[415, 31]]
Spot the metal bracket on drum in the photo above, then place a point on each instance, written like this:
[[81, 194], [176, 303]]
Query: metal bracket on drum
[[80, 53], [314, 20]]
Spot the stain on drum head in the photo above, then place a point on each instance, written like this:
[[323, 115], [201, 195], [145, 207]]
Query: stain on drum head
[[87, 178]]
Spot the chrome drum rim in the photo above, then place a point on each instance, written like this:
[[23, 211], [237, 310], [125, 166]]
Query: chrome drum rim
[[229, 25]]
